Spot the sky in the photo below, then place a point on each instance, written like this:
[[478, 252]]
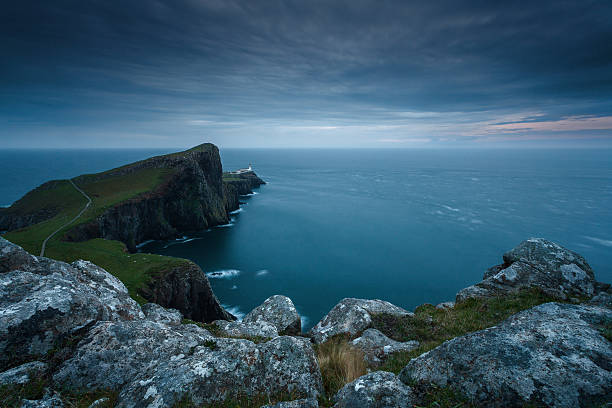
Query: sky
[[176, 73]]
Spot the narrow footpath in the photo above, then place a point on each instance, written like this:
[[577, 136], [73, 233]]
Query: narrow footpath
[[44, 244]]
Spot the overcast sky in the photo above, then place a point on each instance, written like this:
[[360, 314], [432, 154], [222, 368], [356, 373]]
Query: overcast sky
[[305, 73]]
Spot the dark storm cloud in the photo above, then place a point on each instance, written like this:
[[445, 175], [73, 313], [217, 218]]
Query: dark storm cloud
[[303, 72]]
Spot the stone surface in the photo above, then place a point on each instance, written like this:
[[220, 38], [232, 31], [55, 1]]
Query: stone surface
[[445, 305], [23, 373], [301, 403], [160, 314], [351, 316], [279, 311], [552, 354], [242, 329], [376, 346], [379, 389], [51, 399], [536, 263], [153, 364], [42, 301]]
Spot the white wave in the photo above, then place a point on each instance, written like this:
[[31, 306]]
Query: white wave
[[250, 194], [449, 208], [234, 287], [5, 205], [230, 224], [223, 274], [144, 243], [304, 320], [239, 210], [263, 272], [235, 310], [604, 242]]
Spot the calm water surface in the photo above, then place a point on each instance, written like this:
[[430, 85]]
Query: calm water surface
[[407, 226]]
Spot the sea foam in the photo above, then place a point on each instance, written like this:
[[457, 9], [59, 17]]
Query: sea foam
[[223, 274]]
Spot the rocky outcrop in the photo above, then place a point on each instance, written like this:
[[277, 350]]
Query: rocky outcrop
[[536, 263], [351, 316], [236, 185], [186, 288], [301, 403], [42, 301], [23, 373], [149, 358], [379, 389], [553, 355], [376, 347], [152, 364], [280, 312]]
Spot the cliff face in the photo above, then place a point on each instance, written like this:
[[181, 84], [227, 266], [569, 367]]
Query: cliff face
[[192, 199], [186, 288]]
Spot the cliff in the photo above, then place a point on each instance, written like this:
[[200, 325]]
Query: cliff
[[159, 198]]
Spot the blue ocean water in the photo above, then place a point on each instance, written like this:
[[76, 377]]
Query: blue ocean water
[[407, 226]]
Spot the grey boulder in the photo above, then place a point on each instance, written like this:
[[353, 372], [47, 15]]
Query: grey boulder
[[552, 355], [244, 329], [536, 263], [157, 313], [351, 316], [23, 373], [376, 346], [379, 389], [51, 399], [279, 311], [42, 301], [153, 364]]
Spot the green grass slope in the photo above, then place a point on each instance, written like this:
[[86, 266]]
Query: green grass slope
[[105, 190]]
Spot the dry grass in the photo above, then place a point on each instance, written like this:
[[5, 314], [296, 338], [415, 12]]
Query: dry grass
[[340, 364]]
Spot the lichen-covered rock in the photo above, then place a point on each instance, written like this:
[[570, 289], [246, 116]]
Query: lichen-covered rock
[[301, 403], [376, 346], [157, 313], [23, 373], [42, 300], [552, 355], [279, 311], [351, 316], [51, 399], [445, 305], [379, 389], [602, 299], [536, 263], [243, 329], [153, 364]]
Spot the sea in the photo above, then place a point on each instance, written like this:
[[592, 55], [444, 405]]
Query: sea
[[409, 226]]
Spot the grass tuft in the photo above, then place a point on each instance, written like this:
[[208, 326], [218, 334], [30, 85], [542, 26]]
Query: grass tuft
[[340, 364]]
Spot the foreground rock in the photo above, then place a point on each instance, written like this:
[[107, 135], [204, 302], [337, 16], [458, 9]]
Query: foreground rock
[[42, 301], [279, 311], [553, 354], [536, 263], [301, 403], [242, 329], [351, 316], [376, 346], [379, 389], [23, 373], [152, 364]]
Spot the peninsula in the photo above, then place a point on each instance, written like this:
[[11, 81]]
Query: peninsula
[[103, 217]]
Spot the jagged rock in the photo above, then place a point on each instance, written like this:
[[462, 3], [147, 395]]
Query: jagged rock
[[242, 329], [279, 311], [376, 346], [352, 316], [187, 289], [301, 403], [158, 313], [602, 299], [536, 263], [445, 305], [99, 402], [552, 354], [379, 389], [23, 373], [50, 400], [42, 301], [153, 363]]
